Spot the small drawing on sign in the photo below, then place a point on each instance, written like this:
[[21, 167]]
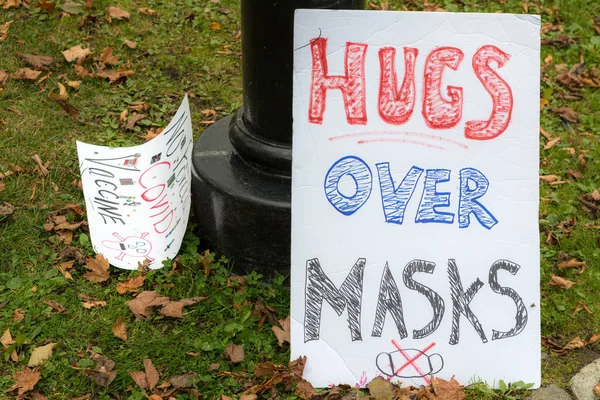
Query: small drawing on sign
[[126, 181], [394, 364], [131, 246], [155, 158]]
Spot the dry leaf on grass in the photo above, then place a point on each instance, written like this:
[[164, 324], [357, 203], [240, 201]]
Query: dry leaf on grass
[[380, 388], [235, 353], [37, 62], [148, 378], [283, 333], [147, 11], [103, 374], [98, 269], [18, 315], [7, 341], [582, 306], [142, 305], [107, 57], [6, 210], [175, 308], [183, 381], [117, 13], [114, 76], [447, 390], [74, 84], [27, 74], [561, 282], [131, 284], [56, 306], [152, 133], [572, 263], [568, 114], [551, 143], [26, 379], [119, 329], [130, 44], [40, 355], [576, 343], [595, 337], [76, 53], [133, 119], [72, 253], [46, 5], [89, 302], [4, 30], [305, 390]]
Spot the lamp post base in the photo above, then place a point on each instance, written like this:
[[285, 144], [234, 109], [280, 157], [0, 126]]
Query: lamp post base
[[242, 211]]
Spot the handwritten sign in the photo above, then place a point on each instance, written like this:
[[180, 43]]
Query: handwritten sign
[[415, 247], [138, 198]]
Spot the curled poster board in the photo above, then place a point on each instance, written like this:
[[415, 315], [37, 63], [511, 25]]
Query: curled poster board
[[138, 198], [415, 246]]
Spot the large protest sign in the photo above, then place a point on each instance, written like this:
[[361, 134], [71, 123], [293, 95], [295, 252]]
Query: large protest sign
[[138, 198], [415, 246]]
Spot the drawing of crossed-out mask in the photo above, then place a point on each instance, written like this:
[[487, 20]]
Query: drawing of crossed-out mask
[[395, 364]]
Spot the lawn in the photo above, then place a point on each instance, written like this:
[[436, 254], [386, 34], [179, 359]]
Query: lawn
[[144, 63]]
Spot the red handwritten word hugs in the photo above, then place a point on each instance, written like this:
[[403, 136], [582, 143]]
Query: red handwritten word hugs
[[352, 84], [442, 108], [158, 195]]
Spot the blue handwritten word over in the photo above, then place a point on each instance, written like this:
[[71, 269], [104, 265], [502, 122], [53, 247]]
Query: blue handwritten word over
[[395, 197]]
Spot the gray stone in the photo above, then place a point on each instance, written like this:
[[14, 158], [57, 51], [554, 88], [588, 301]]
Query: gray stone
[[550, 392], [582, 384]]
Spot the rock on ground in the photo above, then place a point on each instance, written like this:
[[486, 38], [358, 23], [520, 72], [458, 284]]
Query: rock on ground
[[550, 392], [582, 384]]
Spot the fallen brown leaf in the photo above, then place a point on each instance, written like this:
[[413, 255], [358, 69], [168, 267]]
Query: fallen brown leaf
[[114, 76], [76, 53], [596, 390], [147, 11], [74, 84], [41, 168], [7, 341], [183, 381], [561, 41], [283, 333], [595, 337], [56, 306], [133, 119], [117, 13], [73, 253], [142, 305], [175, 308], [18, 315], [551, 143], [548, 178], [4, 30], [62, 93], [46, 6], [26, 379], [98, 269], [595, 195], [152, 375], [6, 210], [37, 62], [103, 374], [130, 44], [107, 57], [40, 355], [235, 353], [561, 282], [574, 173], [81, 71], [131, 284], [380, 388], [89, 302], [119, 329], [582, 306], [26, 74], [152, 133], [572, 263], [575, 343], [568, 114]]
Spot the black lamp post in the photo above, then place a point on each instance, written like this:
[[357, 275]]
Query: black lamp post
[[241, 175]]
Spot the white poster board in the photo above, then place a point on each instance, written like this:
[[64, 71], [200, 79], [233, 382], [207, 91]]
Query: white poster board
[[138, 198], [415, 247]]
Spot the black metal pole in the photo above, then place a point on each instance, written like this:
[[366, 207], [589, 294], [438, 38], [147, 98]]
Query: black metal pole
[[242, 164]]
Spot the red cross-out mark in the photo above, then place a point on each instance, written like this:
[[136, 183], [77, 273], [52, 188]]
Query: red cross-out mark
[[411, 361]]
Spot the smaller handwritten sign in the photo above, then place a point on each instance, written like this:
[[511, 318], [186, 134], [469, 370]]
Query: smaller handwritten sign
[[138, 198]]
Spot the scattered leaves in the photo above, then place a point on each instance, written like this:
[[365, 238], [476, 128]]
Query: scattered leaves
[[582, 306], [76, 54], [131, 284], [107, 57], [235, 353], [283, 333], [4, 30], [142, 305], [56, 306], [37, 62], [561, 282], [41, 354], [26, 379], [175, 308], [89, 302], [117, 13], [98, 269], [568, 114], [119, 329], [551, 143], [25, 74]]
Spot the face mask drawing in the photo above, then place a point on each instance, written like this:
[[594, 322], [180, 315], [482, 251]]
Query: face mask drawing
[[131, 246]]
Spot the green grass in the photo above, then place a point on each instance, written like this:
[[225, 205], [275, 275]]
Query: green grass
[[177, 52]]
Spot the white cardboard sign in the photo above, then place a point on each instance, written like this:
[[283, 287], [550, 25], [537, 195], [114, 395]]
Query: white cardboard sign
[[138, 198], [415, 246]]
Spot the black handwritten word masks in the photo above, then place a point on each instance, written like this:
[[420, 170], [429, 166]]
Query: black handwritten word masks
[[349, 296]]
